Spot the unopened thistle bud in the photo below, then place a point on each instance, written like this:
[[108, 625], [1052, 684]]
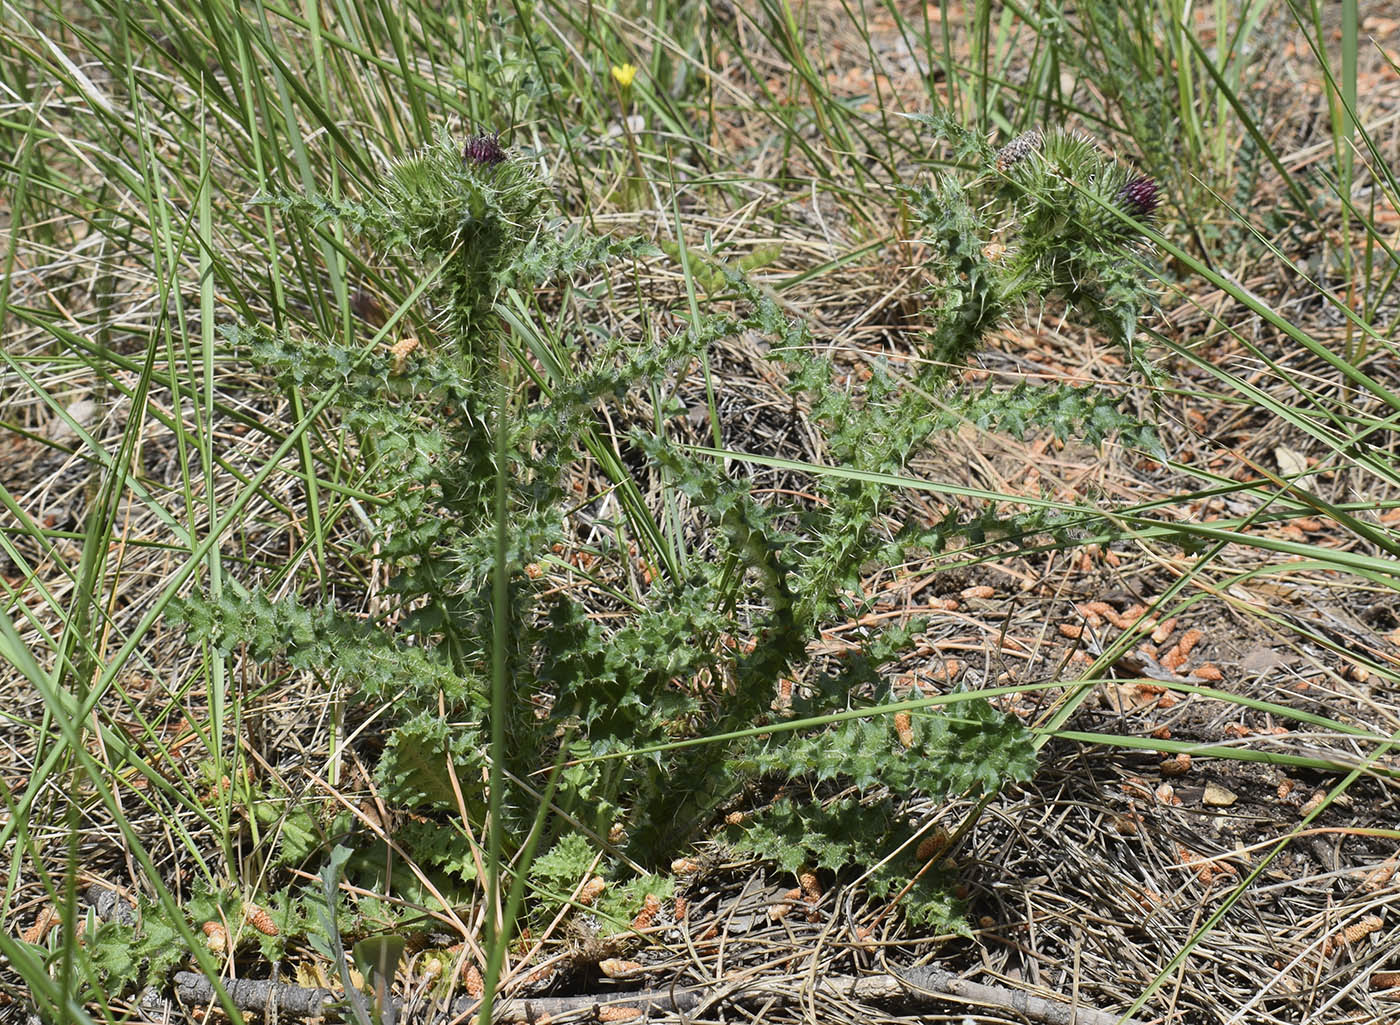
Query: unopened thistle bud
[[483, 149], [1019, 149], [1137, 197]]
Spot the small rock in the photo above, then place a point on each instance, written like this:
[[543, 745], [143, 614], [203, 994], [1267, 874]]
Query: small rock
[[83, 412], [1217, 796]]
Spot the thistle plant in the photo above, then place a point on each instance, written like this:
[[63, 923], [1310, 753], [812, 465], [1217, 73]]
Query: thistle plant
[[719, 633], [1051, 216]]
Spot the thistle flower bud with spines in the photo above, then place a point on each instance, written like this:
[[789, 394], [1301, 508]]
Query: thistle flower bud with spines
[[483, 149], [1138, 196]]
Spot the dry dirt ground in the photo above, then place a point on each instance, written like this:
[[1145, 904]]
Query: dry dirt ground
[[1083, 885]]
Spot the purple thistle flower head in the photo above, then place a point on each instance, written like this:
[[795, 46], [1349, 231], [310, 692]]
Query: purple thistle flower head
[[1138, 196], [483, 149]]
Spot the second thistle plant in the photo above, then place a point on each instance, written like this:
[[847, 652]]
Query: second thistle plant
[[1050, 215]]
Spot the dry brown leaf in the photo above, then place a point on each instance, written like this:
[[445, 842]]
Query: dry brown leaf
[[1292, 463], [1261, 660]]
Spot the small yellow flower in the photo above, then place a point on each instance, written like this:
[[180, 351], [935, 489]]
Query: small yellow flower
[[623, 75]]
